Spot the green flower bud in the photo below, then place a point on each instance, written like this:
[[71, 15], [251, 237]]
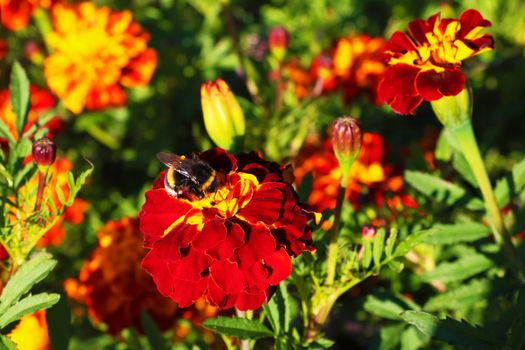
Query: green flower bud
[[346, 140], [223, 116]]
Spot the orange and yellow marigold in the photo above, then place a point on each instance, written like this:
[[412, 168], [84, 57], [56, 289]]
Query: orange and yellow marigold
[[96, 54]]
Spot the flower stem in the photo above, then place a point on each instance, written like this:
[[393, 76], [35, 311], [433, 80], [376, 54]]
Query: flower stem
[[40, 189], [331, 263], [464, 134], [245, 343]]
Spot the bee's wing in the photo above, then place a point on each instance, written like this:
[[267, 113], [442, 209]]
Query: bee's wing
[[169, 159]]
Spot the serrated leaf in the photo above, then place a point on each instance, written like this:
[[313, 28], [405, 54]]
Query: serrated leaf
[[321, 343], [278, 310], [467, 294], [434, 187], [19, 96], [154, 335], [463, 268], [6, 343], [241, 328], [378, 246], [464, 232], [411, 242], [388, 306], [27, 306], [396, 266], [390, 242], [367, 253], [30, 273], [71, 185], [26, 173], [458, 333]]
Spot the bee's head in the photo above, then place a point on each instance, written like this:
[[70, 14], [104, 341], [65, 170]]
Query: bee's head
[[214, 186]]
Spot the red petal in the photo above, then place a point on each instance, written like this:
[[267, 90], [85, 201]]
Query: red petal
[[250, 301], [433, 85], [226, 248], [406, 104], [399, 43], [219, 159], [186, 293], [160, 272], [191, 267], [217, 297], [397, 82], [212, 233], [280, 266], [260, 244], [471, 19], [158, 213], [227, 276], [418, 28]]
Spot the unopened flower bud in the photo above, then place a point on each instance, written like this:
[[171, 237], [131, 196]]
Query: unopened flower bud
[[453, 111], [346, 140], [223, 116], [44, 152], [368, 231], [278, 42]]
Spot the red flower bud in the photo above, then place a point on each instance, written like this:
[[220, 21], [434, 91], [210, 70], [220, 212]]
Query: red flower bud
[[368, 231], [346, 140], [44, 151], [278, 42]]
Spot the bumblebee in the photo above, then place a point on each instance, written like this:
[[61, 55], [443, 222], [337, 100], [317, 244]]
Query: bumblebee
[[191, 177]]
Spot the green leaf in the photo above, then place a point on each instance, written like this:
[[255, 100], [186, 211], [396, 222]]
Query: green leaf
[[153, 334], [27, 306], [391, 240], [60, 193], [388, 337], [458, 333], [388, 305], [241, 328], [411, 242], [321, 343], [6, 343], [71, 185], [6, 133], [450, 234], [367, 253], [378, 246], [510, 185], [278, 310], [467, 294], [23, 148], [463, 268], [434, 187], [19, 96], [30, 273], [443, 150], [59, 324], [413, 339]]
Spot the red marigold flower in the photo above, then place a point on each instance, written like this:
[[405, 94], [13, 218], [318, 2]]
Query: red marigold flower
[[15, 14], [426, 64], [359, 65], [233, 246], [114, 287], [96, 54]]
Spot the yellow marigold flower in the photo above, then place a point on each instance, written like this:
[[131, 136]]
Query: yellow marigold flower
[[96, 53], [31, 333]]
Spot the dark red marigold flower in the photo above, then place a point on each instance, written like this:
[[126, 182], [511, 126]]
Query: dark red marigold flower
[[233, 246], [426, 64]]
